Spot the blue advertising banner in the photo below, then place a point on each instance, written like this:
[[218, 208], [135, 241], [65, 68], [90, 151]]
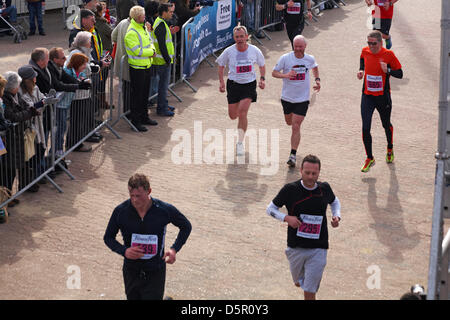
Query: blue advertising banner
[[209, 31]]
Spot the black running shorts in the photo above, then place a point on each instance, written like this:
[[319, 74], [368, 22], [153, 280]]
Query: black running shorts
[[237, 92], [382, 25], [299, 108]]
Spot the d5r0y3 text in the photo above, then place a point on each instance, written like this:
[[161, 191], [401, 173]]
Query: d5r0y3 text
[[243, 309]]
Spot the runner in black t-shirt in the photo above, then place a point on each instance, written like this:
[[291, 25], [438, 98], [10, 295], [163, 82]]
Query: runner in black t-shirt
[[307, 237], [294, 11]]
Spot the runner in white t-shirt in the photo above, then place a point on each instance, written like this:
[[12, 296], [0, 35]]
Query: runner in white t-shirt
[[293, 68], [241, 84]]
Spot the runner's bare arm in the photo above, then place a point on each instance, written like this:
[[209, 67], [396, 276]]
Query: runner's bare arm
[[316, 79], [262, 81], [221, 81], [280, 75]]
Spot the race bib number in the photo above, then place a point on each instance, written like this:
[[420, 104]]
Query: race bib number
[[244, 67], [147, 242], [310, 227], [374, 83], [300, 74], [295, 9]]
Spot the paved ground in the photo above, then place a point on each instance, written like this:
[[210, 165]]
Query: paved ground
[[235, 250]]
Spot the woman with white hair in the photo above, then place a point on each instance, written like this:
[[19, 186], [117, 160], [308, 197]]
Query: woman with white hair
[[18, 112], [82, 110]]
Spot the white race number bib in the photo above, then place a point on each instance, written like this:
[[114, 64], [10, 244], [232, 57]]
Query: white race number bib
[[310, 227], [147, 242]]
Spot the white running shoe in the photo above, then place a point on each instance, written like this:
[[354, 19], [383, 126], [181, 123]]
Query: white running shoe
[[240, 151], [292, 160]]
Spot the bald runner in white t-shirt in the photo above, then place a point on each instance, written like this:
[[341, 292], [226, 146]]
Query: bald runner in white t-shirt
[[294, 68]]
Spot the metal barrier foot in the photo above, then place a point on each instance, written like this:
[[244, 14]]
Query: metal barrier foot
[[65, 170], [53, 183], [189, 85], [173, 93], [114, 132]]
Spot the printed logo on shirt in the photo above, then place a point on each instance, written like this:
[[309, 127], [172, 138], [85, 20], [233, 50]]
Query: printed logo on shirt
[[300, 73], [244, 67], [295, 9], [310, 227], [147, 242], [374, 83]]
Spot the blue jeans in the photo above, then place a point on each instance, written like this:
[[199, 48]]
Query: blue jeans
[[61, 127], [249, 11], [35, 10], [164, 78], [10, 12], [154, 83]]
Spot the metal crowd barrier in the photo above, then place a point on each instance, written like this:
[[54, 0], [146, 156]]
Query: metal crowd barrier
[[27, 160], [88, 113], [259, 15]]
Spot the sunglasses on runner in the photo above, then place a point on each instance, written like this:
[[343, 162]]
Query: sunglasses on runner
[[372, 43]]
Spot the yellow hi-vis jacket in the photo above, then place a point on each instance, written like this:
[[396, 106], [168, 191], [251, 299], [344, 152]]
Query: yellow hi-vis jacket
[[138, 46], [159, 59]]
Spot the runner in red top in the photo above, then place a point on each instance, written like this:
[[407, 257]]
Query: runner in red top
[[382, 17], [377, 64]]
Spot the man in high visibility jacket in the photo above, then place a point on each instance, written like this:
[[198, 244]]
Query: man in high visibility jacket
[[165, 53], [140, 51]]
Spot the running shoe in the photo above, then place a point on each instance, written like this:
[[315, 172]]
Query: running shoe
[[388, 43], [292, 160], [390, 156], [367, 164], [240, 151]]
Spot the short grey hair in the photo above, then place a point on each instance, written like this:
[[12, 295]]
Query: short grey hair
[[39, 54], [13, 80], [300, 37], [238, 28], [136, 11], [81, 39]]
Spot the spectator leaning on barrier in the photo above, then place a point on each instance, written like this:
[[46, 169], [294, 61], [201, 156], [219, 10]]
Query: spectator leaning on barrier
[[82, 110], [33, 97], [39, 62], [165, 53], [293, 13], [140, 51], [63, 82], [5, 129], [87, 23], [17, 111], [35, 10]]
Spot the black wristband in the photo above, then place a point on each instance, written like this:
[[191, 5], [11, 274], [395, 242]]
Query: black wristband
[[263, 78], [317, 79]]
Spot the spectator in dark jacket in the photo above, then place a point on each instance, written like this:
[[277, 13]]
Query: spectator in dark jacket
[[16, 111], [103, 27]]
